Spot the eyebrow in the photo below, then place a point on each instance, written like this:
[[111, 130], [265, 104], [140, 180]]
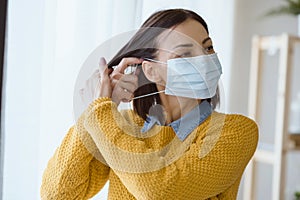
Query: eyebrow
[[184, 45], [205, 40], [190, 44]]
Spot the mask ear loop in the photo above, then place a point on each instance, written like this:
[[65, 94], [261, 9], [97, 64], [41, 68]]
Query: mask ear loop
[[153, 93], [156, 110], [157, 61]]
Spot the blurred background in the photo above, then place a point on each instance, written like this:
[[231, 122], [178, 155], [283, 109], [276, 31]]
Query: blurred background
[[47, 41]]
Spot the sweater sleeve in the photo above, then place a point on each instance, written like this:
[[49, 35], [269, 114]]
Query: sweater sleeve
[[191, 176], [73, 172]]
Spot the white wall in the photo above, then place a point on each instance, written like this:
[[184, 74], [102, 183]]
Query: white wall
[[48, 41], [248, 23], [22, 99]]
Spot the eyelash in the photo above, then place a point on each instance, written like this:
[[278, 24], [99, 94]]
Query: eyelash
[[210, 48], [186, 54]]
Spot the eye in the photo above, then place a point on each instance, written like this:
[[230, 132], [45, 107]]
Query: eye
[[185, 54], [210, 48]]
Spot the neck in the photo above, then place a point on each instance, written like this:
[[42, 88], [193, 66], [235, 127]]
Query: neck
[[176, 107]]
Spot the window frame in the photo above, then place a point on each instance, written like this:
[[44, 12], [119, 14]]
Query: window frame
[[3, 25]]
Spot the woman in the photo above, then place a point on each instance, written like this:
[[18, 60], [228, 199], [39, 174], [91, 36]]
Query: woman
[[173, 145]]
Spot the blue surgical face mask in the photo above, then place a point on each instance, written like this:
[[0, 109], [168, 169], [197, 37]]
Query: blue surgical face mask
[[192, 77]]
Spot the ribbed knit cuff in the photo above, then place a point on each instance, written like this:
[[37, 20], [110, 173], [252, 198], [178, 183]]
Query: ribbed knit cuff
[[98, 101]]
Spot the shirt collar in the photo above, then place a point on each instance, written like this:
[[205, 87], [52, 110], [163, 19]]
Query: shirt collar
[[185, 125]]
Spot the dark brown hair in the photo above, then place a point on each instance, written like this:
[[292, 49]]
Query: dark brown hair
[[142, 45]]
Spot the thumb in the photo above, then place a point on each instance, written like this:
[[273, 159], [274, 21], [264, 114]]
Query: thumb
[[103, 69], [105, 86]]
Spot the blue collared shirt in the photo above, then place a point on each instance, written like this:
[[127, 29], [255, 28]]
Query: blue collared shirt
[[185, 125]]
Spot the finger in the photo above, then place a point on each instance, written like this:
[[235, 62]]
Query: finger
[[123, 93], [130, 78], [117, 95], [105, 89], [128, 87], [129, 82], [98, 86], [116, 75], [102, 65], [125, 62], [110, 70], [103, 69]]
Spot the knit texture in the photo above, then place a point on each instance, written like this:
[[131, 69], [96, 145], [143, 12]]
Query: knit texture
[[208, 164]]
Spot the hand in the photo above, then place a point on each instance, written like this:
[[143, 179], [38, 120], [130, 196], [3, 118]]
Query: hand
[[97, 85], [124, 85], [105, 87]]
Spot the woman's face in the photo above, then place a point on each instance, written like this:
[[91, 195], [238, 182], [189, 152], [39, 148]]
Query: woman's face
[[187, 39]]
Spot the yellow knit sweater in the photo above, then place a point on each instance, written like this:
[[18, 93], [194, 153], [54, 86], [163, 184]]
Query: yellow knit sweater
[[208, 164]]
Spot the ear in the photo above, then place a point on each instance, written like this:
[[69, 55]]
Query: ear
[[150, 70]]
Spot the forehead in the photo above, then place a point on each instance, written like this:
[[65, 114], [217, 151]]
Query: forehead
[[190, 31]]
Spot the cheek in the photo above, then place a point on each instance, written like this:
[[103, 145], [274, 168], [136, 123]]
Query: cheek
[[162, 69], [163, 75]]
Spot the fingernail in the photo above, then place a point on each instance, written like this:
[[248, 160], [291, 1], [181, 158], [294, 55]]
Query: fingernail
[[102, 61]]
